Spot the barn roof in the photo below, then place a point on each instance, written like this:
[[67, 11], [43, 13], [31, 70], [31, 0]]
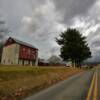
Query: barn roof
[[23, 43]]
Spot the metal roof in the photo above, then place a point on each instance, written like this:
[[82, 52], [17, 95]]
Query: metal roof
[[23, 43]]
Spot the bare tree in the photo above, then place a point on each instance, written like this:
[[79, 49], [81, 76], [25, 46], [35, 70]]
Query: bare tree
[[3, 33]]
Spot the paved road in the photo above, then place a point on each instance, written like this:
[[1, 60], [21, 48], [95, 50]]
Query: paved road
[[79, 87], [98, 83]]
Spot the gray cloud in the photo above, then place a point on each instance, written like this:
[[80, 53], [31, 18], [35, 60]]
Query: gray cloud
[[73, 8], [94, 43], [3, 29], [40, 21]]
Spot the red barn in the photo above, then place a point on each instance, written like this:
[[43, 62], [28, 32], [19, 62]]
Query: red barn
[[17, 52]]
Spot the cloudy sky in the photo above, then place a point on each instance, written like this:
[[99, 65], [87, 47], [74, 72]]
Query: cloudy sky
[[40, 21]]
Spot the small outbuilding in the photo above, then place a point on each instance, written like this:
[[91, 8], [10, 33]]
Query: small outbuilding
[[16, 52]]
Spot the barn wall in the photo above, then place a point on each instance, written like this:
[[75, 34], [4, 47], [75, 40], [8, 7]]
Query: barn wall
[[27, 53], [10, 54]]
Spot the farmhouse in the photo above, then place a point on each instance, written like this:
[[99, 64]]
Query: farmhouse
[[16, 52]]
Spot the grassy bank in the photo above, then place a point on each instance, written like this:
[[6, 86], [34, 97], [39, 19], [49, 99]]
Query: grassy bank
[[17, 82]]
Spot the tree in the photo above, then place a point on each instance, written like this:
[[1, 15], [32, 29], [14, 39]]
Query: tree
[[73, 46], [3, 34]]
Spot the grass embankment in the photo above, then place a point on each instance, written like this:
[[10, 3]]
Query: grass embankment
[[18, 82]]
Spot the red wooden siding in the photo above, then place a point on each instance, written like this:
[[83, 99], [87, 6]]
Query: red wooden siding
[[27, 53]]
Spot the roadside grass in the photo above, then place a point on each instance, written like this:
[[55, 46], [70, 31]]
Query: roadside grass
[[17, 82]]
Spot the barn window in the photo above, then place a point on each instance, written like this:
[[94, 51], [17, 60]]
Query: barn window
[[18, 62], [23, 62], [4, 61], [28, 62], [8, 60]]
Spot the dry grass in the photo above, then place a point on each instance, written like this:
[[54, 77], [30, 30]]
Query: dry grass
[[17, 82]]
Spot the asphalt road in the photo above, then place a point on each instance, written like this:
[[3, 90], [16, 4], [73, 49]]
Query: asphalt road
[[82, 86], [98, 84]]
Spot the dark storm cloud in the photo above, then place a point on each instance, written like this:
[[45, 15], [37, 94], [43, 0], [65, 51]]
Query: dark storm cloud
[[72, 8]]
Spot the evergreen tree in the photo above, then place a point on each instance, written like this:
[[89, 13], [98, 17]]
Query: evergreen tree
[[74, 46]]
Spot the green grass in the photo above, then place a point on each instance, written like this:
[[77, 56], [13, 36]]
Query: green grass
[[20, 81]]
